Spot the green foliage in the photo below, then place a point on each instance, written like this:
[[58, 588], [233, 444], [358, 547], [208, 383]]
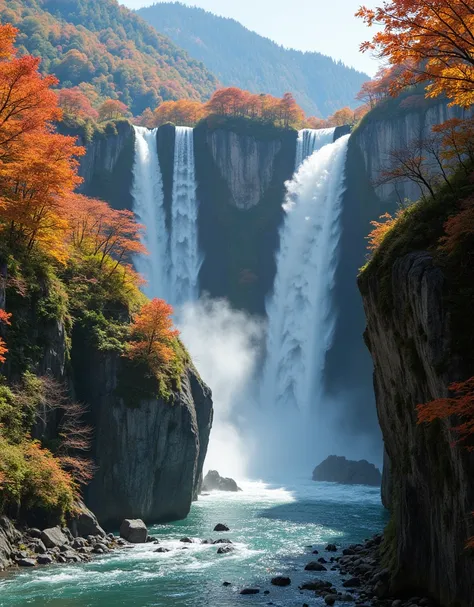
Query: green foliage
[[106, 50], [239, 57]]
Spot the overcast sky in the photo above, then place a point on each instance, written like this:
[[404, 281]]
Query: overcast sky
[[327, 26]]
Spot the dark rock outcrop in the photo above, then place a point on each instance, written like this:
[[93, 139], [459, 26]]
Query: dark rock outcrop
[[338, 469], [428, 483], [214, 482], [148, 451], [85, 522]]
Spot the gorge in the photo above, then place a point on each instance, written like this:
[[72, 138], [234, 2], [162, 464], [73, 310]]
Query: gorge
[[196, 277]]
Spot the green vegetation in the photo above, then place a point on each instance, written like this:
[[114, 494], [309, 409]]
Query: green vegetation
[[106, 50], [239, 57], [421, 227]]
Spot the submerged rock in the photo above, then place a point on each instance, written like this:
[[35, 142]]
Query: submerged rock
[[221, 527], [335, 469], [225, 549], [213, 481], [134, 531], [315, 566], [281, 580], [250, 591]]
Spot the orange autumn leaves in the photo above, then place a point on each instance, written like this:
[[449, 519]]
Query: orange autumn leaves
[[431, 42], [4, 319], [152, 335]]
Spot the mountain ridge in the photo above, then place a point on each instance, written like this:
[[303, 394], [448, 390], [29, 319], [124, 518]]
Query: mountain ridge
[[319, 83]]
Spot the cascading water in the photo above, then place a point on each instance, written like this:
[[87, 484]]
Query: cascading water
[[185, 260], [147, 192], [300, 316], [310, 140]]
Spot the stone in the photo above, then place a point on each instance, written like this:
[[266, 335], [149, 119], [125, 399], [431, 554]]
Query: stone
[[348, 551], [225, 549], [338, 469], [134, 531], [353, 582], [100, 546], [79, 542], [322, 560], [250, 591], [226, 584], [329, 599], [331, 548], [315, 551], [53, 537], [44, 559], [397, 603], [315, 566], [221, 527], [26, 562], [381, 589], [281, 580], [186, 540], [71, 557], [214, 482], [223, 540], [38, 546], [161, 549], [316, 585], [347, 598], [33, 532]]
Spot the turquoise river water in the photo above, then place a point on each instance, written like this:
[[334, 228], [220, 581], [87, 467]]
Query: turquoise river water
[[271, 526]]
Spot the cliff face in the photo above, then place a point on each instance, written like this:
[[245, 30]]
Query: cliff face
[[106, 167], [427, 480], [149, 452], [241, 174], [381, 133], [245, 163]]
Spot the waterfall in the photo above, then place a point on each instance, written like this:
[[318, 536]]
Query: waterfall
[[185, 260], [147, 192], [301, 321], [310, 140]]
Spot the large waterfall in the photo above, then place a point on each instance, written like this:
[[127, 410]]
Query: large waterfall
[[148, 206], [184, 252], [310, 140], [300, 313], [172, 266]]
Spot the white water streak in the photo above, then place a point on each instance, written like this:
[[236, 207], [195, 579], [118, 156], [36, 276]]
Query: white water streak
[[148, 206], [184, 249], [310, 140], [301, 319]]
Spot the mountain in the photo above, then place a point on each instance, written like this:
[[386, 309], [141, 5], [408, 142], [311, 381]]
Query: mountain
[[106, 49], [239, 57]]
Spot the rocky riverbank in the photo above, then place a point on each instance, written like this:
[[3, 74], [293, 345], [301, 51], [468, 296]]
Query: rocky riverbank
[[31, 546], [362, 578]]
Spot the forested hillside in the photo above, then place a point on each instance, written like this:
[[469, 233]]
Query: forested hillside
[[106, 50], [239, 57]]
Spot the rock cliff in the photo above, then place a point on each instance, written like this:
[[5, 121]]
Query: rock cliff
[[149, 452], [427, 480], [384, 131]]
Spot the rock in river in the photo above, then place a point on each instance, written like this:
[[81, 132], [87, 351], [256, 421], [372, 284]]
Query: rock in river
[[134, 531]]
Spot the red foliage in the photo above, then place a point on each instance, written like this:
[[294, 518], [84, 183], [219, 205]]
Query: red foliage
[[5, 319], [75, 103], [112, 109], [460, 405]]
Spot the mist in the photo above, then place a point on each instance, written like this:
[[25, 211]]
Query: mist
[[225, 346]]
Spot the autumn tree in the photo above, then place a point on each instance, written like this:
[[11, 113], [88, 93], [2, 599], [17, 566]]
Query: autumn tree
[[290, 111], [73, 102], [112, 109], [98, 230], [152, 335], [430, 41], [26, 99], [4, 319], [342, 117], [380, 229]]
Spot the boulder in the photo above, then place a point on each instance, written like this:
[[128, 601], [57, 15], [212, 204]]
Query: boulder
[[337, 469], [161, 549], [329, 599], [85, 523], [44, 559], [281, 580], [316, 585], [8, 537], [225, 549], [26, 562], [134, 531], [315, 566], [221, 527], [213, 481], [353, 582], [331, 548], [250, 591], [53, 537]]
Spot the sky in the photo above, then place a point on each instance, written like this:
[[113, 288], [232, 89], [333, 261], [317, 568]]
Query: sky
[[326, 26]]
